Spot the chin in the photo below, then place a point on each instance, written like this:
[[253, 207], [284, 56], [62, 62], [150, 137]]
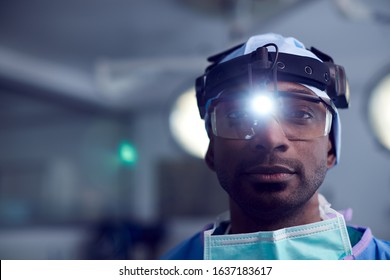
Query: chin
[[270, 198]]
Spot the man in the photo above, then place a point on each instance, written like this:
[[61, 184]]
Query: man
[[270, 108]]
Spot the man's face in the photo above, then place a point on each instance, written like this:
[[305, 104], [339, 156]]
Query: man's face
[[270, 174]]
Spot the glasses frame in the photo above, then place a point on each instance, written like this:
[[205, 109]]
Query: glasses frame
[[211, 118]]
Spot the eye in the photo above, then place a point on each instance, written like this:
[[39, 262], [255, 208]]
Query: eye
[[301, 115], [237, 115], [298, 114]]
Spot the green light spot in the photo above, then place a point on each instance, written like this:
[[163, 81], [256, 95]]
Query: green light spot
[[127, 153]]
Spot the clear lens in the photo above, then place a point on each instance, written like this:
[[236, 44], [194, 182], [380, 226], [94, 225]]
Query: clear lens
[[301, 117]]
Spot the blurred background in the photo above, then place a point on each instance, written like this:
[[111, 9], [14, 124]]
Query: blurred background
[[100, 142]]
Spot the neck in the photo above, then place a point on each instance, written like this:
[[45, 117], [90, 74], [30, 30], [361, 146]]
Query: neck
[[305, 214]]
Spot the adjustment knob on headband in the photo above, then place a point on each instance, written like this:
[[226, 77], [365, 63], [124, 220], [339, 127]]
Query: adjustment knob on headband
[[338, 88]]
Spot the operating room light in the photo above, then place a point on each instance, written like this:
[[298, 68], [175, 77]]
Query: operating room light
[[379, 111], [187, 128]]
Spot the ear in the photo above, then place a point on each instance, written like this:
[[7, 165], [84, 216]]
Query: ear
[[209, 158], [331, 161]]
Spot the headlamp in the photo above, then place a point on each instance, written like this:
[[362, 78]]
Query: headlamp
[[261, 66], [262, 104]]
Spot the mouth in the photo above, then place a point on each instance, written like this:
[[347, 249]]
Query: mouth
[[270, 174]]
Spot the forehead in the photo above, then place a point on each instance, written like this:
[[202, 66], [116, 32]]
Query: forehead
[[293, 87]]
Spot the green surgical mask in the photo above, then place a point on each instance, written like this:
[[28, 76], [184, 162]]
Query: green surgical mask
[[324, 240]]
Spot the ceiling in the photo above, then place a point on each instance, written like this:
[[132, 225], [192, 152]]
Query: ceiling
[[118, 53]]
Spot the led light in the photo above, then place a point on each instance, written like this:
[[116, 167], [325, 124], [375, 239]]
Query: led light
[[262, 104], [127, 153]]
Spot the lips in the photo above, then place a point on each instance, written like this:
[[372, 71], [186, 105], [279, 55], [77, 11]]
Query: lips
[[270, 174]]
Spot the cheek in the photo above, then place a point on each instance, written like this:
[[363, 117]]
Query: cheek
[[313, 154], [228, 156], [224, 155]]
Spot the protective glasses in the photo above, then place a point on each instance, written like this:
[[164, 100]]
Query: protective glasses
[[300, 116]]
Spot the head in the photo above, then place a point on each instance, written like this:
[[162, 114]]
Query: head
[[274, 161]]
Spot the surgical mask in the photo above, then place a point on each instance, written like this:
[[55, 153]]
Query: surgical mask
[[326, 240]]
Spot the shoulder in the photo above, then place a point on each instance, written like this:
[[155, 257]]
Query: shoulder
[[377, 250], [368, 247], [189, 249]]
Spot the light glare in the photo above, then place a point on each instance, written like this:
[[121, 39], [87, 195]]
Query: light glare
[[262, 104]]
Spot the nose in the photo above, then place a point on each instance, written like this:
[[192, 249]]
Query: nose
[[270, 137]]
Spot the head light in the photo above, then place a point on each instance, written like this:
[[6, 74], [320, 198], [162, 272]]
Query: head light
[[262, 104]]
